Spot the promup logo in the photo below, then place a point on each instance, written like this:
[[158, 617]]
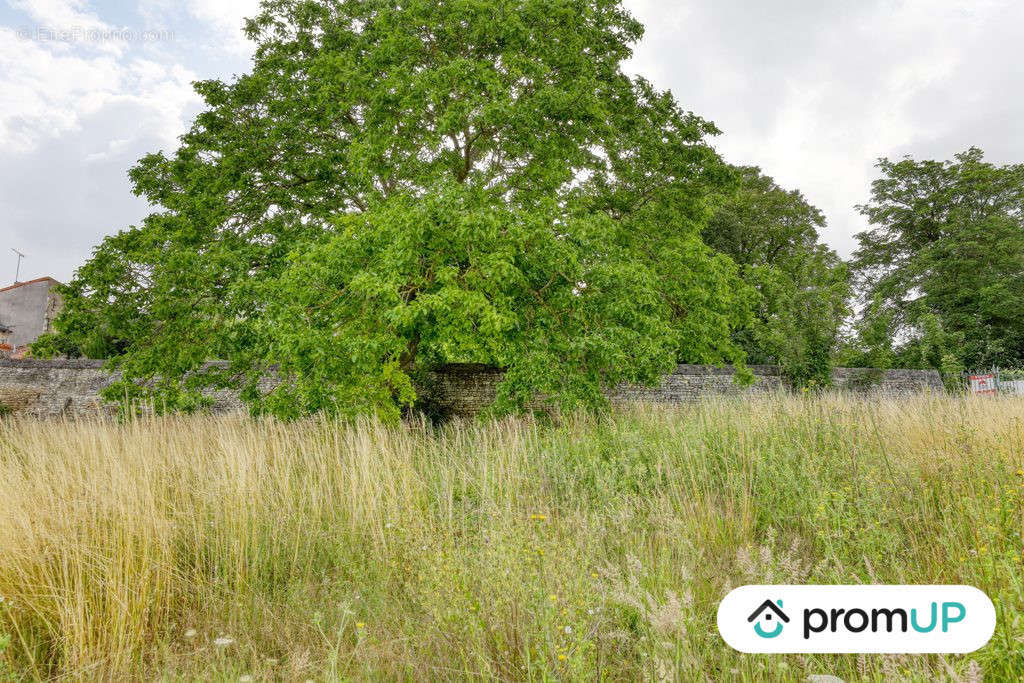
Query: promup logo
[[854, 619], [766, 613]]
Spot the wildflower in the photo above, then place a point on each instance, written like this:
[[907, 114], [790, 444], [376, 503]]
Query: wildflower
[[593, 575], [553, 597], [562, 658], [360, 625], [568, 630], [388, 525], [191, 633], [223, 641]]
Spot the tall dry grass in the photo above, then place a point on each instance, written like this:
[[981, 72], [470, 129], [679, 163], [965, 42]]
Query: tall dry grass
[[201, 547]]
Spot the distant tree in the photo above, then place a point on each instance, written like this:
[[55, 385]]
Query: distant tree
[[802, 287], [944, 261], [395, 187]]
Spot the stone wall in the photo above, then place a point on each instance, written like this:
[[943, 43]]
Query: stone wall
[[54, 388], [466, 390], [886, 382]]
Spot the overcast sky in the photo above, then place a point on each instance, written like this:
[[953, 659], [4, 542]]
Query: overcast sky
[[813, 91]]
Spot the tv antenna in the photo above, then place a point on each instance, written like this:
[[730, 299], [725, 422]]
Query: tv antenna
[[17, 271]]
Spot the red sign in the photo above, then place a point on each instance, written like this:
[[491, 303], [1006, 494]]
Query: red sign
[[983, 384]]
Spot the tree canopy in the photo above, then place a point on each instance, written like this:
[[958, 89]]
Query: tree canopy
[[943, 265], [802, 287], [395, 187]]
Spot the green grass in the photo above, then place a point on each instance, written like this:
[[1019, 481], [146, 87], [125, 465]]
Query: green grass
[[507, 550]]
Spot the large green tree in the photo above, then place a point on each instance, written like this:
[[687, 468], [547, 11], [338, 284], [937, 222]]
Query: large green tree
[[943, 264], [398, 186], [802, 287]]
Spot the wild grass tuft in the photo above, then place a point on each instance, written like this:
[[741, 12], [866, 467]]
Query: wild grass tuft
[[227, 547]]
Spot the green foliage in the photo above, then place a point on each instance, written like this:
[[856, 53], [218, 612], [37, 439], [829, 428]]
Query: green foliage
[[397, 187], [5, 409], [952, 371], [945, 260], [5, 671], [801, 286], [872, 346]]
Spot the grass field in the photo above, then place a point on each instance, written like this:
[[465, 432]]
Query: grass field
[[234, 549]]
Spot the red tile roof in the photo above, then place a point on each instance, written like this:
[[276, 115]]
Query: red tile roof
[[30, 282]]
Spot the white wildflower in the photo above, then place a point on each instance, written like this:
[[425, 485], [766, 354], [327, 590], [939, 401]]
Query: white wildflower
[[223, 641]]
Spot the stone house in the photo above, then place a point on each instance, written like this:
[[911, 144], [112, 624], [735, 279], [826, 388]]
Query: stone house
[[27, 311]]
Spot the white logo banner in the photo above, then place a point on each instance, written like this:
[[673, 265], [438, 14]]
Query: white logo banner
[[855, 619]]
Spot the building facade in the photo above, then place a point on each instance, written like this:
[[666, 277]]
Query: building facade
[[27, 311]]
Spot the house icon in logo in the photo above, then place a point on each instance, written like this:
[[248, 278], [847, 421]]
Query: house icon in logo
[[764, 615]]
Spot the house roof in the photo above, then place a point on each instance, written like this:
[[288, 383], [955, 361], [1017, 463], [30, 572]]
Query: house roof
[[766, 605], [30, 282]]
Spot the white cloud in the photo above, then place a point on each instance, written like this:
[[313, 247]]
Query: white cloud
[[60, 14], [227, 18], [46, 90], [223, 18], [811, 90], [75, 115], [226, 15], [814, 92]]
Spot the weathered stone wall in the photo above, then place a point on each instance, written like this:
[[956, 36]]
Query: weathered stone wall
[[466, 390], [692, 382], [72, 387], [886, 382], [54, 388]]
